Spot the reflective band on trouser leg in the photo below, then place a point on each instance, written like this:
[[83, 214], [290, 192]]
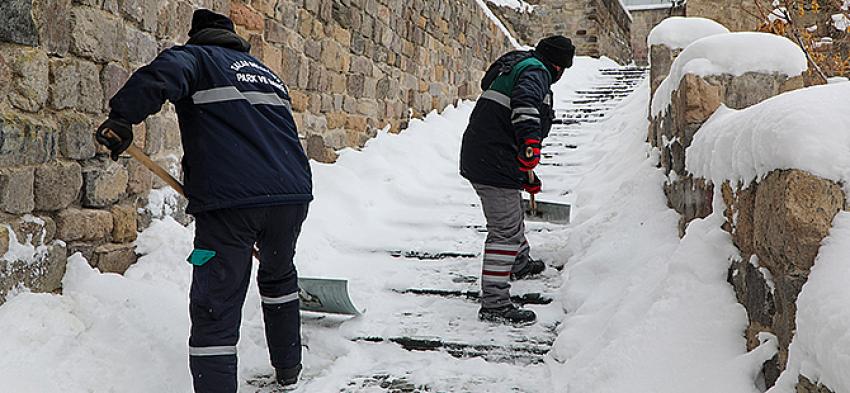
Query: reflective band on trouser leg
[[212, 351], [280, 299], [496, 273]]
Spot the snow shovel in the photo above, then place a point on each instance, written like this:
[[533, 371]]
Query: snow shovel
[[551, 212], [323, 295]]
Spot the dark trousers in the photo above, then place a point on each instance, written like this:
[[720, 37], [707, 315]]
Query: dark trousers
[[220, 284]]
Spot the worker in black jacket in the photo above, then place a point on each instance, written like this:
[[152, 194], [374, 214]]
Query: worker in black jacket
[[248, 183], [501, 148]]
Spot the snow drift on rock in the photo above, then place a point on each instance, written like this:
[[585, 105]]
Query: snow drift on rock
[[821, 348], [646, 311], [678, 32], [734, 54], [804, 129]]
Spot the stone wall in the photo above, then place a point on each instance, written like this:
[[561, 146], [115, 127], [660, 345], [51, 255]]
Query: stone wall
[[737, 15], [60, 61], [645, 19], [691, 104], [597, 27], [777, 223], [353, 66]]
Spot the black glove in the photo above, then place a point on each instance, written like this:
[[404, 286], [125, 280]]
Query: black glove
[[532, 186], [120, 138]]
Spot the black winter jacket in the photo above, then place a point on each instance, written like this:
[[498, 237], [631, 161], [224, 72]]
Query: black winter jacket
[[240, 142], [516, 106]]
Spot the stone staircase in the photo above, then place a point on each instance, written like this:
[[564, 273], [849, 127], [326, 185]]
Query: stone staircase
[[436, 325]]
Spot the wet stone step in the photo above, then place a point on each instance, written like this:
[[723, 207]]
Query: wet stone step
[[560, 144], [385, 382], [524, 354], [528, 298], [431, 256]]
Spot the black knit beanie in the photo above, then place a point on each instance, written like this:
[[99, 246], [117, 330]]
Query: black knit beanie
[[205, 19], [558, 50]]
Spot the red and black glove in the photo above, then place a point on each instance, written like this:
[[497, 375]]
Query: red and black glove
[[120, 138], [529, 155], [532, 185]]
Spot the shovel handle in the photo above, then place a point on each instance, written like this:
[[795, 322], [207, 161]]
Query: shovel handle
[[532, 200], [159, 171]]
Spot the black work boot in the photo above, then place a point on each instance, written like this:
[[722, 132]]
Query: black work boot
[[509, 315], [532, 268], [287, 377]]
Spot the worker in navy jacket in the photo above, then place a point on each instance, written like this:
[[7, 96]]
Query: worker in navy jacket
[[248, 182], [500, 149]]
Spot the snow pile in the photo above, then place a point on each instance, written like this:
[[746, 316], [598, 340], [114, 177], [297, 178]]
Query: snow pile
[[678, 32], [821, 348], [518, 5], [646, 311], [24, 249], [499, 24], [734, 54], [805, 129], [841, 22]]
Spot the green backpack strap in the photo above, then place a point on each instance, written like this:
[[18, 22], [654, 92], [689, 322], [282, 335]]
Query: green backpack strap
[[505, 83]]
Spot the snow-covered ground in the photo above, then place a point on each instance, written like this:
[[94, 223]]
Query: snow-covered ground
[[636, 309]]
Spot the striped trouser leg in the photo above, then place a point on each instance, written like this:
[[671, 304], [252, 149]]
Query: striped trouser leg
[[523, 256], [505, 237]]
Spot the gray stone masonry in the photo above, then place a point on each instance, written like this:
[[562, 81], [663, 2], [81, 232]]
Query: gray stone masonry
[[353, 67]]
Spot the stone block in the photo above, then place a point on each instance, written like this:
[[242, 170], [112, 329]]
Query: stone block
[[115, 258], [76, 137], [54, 25], [245, 16], [139, 178], [4, 240], [701, 98], [16, 189], [25, 140], [30, 79], [65, 89], [42, 273], [143, 12], [751, 88], [156, 127], [113, 78], [317, 150], [97, 35], [793, 213], [266, 7], [57, 185], [104, 182], [91, 90], [83, 224], [18, 25], [805, 385], [141, 47], [124, 229]]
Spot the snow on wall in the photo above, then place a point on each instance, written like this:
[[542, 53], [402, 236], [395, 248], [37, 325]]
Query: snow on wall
[[678, 32], [805, 129], [499, 24], [518, 5], [820, 347], [734, 54]]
